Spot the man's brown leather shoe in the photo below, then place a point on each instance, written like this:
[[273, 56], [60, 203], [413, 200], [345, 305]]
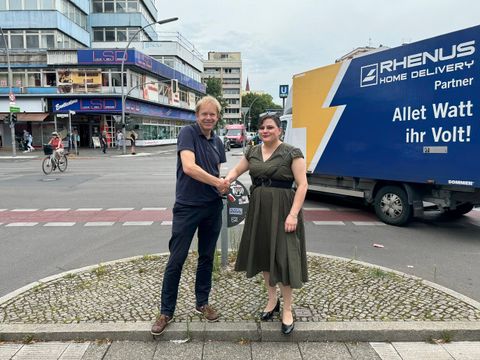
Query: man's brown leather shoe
[[160, 324], [208, 312]]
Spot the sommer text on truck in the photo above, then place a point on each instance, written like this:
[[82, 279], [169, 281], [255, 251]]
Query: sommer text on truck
[[399, 127]]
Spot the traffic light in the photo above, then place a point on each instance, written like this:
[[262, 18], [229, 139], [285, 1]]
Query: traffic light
[[14, 118]]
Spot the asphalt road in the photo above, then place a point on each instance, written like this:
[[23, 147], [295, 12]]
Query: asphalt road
[[142, 189]]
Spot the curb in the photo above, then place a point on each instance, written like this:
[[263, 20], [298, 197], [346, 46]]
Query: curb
[[349, 331], [250, 331]]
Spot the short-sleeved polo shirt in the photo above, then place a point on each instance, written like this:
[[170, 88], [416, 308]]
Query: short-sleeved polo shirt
[[209, 154]]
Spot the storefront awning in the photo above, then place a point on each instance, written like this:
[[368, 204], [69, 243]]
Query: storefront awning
[[32, 116], [24, 117]]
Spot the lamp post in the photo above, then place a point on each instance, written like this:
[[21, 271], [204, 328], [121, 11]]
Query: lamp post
[[10, 92], [245, 119], [124, 57]]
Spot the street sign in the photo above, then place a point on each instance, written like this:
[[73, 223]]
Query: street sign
[[283, 91], [14, 109]]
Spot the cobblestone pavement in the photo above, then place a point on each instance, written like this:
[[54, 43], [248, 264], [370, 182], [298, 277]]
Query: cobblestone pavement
[[129, 291], [128, 350]]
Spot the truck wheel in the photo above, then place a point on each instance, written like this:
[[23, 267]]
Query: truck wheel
[[391, 206], [461, 209]]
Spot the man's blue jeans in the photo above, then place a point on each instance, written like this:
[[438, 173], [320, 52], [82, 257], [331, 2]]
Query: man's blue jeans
[[186, 220]]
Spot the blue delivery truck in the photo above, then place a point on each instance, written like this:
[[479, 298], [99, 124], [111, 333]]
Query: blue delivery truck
[[399, 127]]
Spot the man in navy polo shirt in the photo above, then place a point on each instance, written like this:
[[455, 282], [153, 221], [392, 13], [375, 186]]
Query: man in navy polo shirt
[[198, 205]]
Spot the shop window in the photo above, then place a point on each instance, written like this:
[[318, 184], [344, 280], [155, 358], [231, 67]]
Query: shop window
[[105, 81]]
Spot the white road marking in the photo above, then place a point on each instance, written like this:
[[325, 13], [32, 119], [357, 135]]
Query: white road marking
[[29, 210], [59, 224], [89, 209], [3, 210], [119, 209], [22, 224], [166, 223], [99, 223], [153, 209], [368, 223], [137, 223], [312, 209], [328, 222], [57, 209]]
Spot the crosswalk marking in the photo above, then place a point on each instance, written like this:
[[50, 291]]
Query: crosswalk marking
[[329, 223], [119, 209], [89, 209], [166, 223], [137, 223], [24, 210], [368, 223], [315, 209], [16, 224], [57, 209], [64, 223], [153, 209], [3, 210], [99, 223]]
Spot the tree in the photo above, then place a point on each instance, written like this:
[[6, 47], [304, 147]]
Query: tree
[[261, 103], [214, 88]]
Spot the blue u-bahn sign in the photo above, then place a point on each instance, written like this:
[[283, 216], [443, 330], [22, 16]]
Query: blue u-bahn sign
[[283, 91]]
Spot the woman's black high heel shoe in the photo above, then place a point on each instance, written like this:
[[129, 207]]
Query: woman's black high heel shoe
[[267, 315]]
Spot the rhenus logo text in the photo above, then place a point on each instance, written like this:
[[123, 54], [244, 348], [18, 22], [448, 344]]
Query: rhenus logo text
[[383, 72]]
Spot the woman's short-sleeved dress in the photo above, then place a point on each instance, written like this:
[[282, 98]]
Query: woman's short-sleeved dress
[[265, 246]]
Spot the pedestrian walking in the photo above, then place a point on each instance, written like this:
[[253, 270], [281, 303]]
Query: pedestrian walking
[[273, 239], [119, 139], [133, 137], [103, 141], [25, 140], [198, 207], [28, 139]]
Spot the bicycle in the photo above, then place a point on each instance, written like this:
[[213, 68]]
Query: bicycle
[[50, 162]]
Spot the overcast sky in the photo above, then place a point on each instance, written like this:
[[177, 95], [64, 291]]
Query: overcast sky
[[279, 38]]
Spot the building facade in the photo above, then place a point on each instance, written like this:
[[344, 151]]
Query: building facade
[[66, 58], [227, 66]]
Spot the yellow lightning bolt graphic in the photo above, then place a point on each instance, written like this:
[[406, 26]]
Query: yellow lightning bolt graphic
[[310, 89]]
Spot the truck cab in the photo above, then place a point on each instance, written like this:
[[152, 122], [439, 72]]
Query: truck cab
[[236, 134]]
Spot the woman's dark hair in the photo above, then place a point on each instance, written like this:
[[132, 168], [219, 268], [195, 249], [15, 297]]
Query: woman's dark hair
[[272, 116]]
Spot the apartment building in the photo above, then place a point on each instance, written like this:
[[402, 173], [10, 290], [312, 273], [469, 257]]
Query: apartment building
[[66, 60], [228, 67]]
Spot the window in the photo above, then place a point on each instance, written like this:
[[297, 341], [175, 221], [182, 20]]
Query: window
[[121, 6], [31, 5], [105, 81], [47, 41], [16, 39], [98, 35], [110, 34], [121, 34], [15, 5], [33, 79], [97, 6], [3, 4], [32, 39], [18, 78], [132, 5], [116, 79], [108, 6], [47, 4], [49, 78]]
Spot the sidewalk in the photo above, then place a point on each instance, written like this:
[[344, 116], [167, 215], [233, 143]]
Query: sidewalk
[[344, 301], [84, 153]]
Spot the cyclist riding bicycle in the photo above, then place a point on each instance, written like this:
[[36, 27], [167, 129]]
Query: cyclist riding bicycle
[[57, 145]]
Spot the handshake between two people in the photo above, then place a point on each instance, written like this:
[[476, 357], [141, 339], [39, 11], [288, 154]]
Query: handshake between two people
[[223, 186]]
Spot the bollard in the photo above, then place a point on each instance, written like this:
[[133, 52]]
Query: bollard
[[224, 233]]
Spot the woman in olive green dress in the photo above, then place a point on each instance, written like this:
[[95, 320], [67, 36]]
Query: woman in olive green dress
[[273, 239]]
